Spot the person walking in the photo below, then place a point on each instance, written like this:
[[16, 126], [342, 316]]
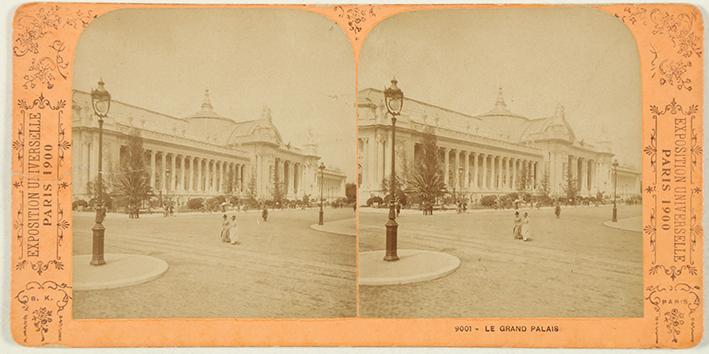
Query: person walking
[[225, 228], [234, 238], [517, 228], [557, 209], [524, 229], [264, 213]]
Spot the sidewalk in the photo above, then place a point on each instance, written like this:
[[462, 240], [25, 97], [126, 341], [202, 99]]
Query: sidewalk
[[628, 224], [344, 227]]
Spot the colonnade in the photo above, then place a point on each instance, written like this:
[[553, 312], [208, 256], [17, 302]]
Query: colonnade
[[584, 173], [483, 171], [185, 174], [290, 175]]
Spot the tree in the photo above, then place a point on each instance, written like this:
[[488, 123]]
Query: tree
[[132, 184], [277, 190], [570, 187], [92, 191], [251, 192], [229, 185], [524, 180], [427, 181], [351, 192], [397, 191], [544, 186]]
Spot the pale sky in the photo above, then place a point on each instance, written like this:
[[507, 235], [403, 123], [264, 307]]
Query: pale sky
[[297, 63], [581, 58]]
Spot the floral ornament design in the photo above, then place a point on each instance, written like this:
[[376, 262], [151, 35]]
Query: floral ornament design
[[651, 149], [63, 144], [41, 318], [651, 231], [40, 71], [43, 304], [678, 27], [81, 19], [31, 29], [671, 72], [695, 146], [355, 17], [674, 319], [673, 272]]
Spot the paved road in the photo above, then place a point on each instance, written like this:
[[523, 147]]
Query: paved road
[[282, 268], [573, 267]]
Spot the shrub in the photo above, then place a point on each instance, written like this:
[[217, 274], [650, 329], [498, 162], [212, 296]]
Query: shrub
[[373, 200], [79, 203], [488, 201], [403, 199], [195, 203]]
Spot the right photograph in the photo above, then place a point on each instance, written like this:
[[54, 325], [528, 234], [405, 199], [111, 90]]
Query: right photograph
[[499, 165]]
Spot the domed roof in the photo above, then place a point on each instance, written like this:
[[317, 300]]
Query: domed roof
[[500, 108], [207, 110]]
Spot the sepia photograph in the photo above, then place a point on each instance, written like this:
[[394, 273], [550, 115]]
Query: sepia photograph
[[500, 165], [213, 165]]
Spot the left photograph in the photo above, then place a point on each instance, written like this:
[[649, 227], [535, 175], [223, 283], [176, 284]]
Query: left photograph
[[213, 165]]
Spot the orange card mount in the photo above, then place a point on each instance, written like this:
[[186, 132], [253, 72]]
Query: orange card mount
[[122, 249]]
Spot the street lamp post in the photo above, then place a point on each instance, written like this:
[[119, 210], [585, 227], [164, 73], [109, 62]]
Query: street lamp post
[[321, 213], [101, 102], [615, 190], [394, 100]]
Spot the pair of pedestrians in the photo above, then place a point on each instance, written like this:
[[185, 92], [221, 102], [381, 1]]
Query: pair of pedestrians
[[228, 233], [520, 230]]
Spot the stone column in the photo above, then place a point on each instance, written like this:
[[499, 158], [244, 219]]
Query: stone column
[[364, 166], [189, 187], [456, 169], [466, 170], [182, 173], [493, 172], [515, 166], [510, 185], [198, 171], [291, 178], [207, 176], [503, 173], [584, 177], [241, 177], [162, 171], [483, 171], [446, 173], [370, 163], [475, 170], [500, 173], [152, 169], [173, 172]]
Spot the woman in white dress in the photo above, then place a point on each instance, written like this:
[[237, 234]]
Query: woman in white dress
[[525, 227], [232, 231], [225, 229]]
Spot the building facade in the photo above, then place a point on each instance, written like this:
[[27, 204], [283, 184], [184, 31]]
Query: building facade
[[201, 155], [493, 153]]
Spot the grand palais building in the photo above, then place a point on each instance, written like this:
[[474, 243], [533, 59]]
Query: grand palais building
[[488, 153], [200, 155]]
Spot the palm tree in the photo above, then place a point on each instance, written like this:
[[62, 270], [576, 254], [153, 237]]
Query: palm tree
[[132, 183], [427, 186], [133, 187]]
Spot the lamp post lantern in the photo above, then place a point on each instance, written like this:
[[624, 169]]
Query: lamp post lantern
[[321, 213], [615, 190], [394, 100], [101, 102]]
